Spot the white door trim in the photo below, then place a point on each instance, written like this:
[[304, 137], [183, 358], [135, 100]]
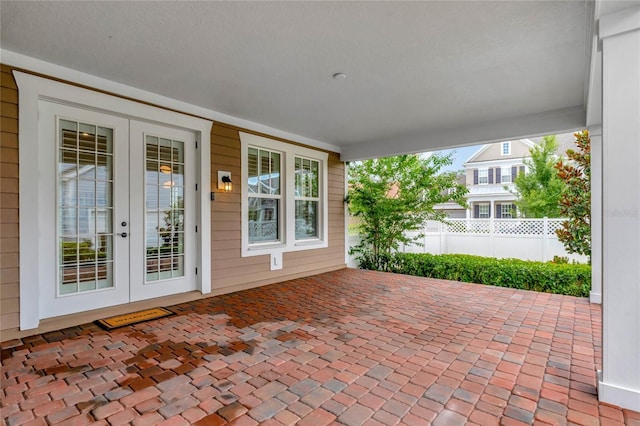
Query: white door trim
[[36, 258]]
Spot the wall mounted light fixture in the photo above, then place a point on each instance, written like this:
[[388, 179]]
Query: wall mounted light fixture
[[224, 181]]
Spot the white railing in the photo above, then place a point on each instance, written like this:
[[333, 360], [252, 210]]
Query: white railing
[[527, 239], [498, 226], [266, 230]]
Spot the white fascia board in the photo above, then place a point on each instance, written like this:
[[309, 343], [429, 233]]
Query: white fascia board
[[490, 197], [28, 63], [495, 163], [506, 194], [558, 121], [526, 141]]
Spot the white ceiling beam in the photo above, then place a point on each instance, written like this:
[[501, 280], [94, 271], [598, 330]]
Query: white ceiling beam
[[551, 122]]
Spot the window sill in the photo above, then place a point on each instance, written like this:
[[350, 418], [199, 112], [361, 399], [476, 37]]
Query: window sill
[[264, 247], [284, 248], [309, 242]]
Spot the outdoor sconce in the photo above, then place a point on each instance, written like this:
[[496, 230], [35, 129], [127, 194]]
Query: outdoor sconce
[[224, 181]]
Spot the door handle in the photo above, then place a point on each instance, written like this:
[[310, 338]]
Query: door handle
[[123, 234]]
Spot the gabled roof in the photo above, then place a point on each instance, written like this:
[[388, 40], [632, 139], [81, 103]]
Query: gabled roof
[[528, 142]]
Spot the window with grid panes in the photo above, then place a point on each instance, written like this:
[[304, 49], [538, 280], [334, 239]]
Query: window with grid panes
[[307, 198], [506, 148], [483, 211], [506, 211], [505, 174], [264, 201], [483, 176], [284, 196]]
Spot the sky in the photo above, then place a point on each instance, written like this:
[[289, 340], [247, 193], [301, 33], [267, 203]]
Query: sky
[[460, 155]]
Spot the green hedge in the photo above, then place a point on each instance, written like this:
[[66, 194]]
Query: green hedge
[[568, 279]]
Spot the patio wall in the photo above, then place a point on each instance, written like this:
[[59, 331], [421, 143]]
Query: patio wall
[[232, 272], [9, 242], [229, 271]]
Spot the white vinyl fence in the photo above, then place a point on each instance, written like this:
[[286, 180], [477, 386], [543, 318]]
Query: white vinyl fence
[[527, 239]]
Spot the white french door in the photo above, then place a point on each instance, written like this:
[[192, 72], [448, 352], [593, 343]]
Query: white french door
[[163, 219], [124, 209]]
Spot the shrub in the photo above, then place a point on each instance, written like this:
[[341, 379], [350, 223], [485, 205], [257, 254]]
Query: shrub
[[558, 278], [80, 252]]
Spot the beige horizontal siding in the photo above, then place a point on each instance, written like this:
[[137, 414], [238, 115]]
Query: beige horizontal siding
[[268, 277], [228, 268], [230, 271], [9, 203]]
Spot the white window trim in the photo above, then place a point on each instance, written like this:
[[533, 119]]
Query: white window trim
[[35, 211], [287, 242]]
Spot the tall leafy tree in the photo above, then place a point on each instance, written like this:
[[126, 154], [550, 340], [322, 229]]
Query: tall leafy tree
[[575, 203], [393, 195], [538, 192]]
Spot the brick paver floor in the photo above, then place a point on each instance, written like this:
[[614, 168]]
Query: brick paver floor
[[348, 347]]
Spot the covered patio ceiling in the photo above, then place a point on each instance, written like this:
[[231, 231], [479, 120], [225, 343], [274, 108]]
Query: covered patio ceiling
[[419, 75]]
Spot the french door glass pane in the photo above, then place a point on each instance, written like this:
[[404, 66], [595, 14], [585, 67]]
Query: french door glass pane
[[85, 204], [164, 201]]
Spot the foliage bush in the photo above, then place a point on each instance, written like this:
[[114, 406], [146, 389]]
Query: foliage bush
[[575, 203], [567, 279], [392, 196], [80, 252]]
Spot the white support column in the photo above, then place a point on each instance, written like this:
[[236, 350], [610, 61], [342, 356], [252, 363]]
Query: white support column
[[595, 133], [619, 380]]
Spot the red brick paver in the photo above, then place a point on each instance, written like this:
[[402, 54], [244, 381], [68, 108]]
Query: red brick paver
[[348, 347]]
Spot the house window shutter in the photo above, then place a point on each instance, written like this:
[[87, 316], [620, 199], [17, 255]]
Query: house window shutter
[[476, 211], [490, 175], [498, 210], [521, 169], [489, 209], [514, 211], [498, 177], [514, 173], [475, 176]]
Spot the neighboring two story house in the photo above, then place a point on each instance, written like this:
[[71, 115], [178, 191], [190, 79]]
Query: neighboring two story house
[[492, 170], [490, 174]]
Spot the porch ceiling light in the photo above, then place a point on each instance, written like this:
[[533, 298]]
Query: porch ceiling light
[[339, 76], [224, 181]]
